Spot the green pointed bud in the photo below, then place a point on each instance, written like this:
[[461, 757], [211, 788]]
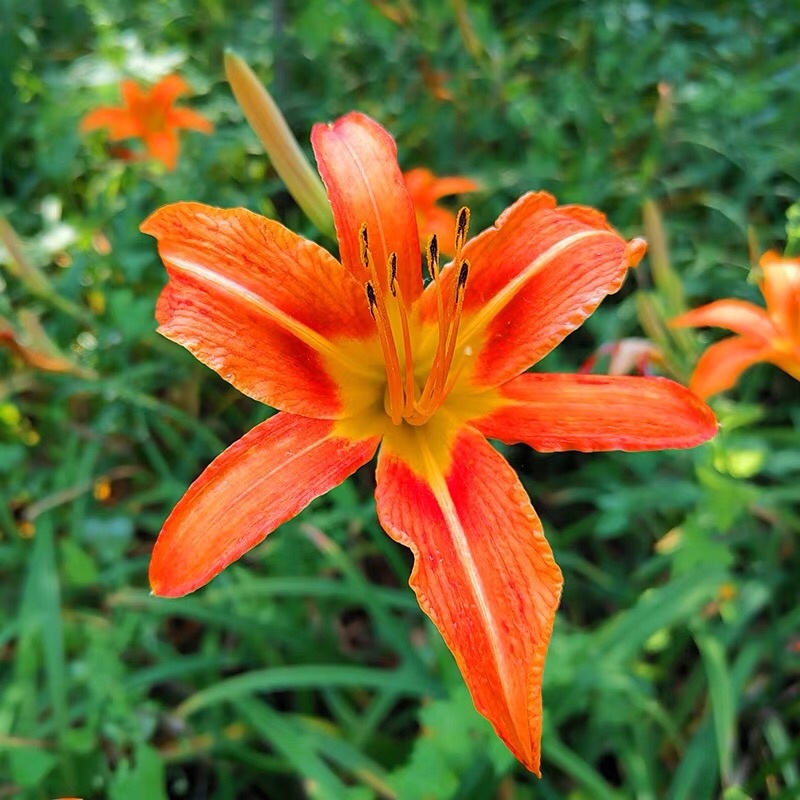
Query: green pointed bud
[[287, 157]]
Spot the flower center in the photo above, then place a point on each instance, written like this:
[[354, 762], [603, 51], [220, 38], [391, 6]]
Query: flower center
[[407, 399], [151, 117]]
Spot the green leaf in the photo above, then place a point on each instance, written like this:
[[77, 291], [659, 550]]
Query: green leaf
[[29, 765], [109, 536], [78, 566], [144, 778], [454, 739]]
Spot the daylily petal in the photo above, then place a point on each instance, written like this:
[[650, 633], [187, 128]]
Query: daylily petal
[[163, 146], [722, 363], [132, 94], [167, 90], [598, 412], [258, 483], [418, 182], [357, 160], [258, 304], [425, 188], [119, 121], [738, 316], [534, 277], [483, 571], [186, 118], [788, 361], [781, 288], [443, 187]]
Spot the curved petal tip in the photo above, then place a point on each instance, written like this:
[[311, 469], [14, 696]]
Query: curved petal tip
[[635, 250]]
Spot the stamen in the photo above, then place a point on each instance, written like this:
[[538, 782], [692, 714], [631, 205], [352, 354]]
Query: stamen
[[393, 274], [397, 292], [371, 298], [432, 257], [403, 403], [437, 384], [463, 274], [432, 253], [379, 311], [462, 229], [437, 387], [363, 239], [461, 286]]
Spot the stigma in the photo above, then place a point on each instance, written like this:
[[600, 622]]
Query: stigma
[[408, 399]]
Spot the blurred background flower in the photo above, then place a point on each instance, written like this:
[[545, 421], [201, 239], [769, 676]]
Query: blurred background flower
[[432, 219], [770, 334], [149, 115]]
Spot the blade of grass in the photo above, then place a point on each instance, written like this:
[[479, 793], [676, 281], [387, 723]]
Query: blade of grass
[[783, 749], [696, 776], [723, 699], [172, 670], [398, 599], [391, 629], [308, 676], [557, 753], [659, 608], [42, 606], [284, 736], [330, 745], [33, 278]]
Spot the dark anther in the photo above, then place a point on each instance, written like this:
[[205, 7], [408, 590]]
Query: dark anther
[[463, 274], [433, 250], [364, 254], [462, 227], [393, 275], [373, 301]]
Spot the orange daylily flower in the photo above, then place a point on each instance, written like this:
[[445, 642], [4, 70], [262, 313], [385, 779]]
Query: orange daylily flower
[[433, 220], [771, 334], [151, 117], [358, 353]]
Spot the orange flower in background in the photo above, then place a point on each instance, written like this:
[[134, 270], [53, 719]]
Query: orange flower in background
[[433, 220], [151, 117], [771, 334], [357, 354]]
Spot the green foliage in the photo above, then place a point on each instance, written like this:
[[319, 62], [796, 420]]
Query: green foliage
[[456, 754], [307, 669]]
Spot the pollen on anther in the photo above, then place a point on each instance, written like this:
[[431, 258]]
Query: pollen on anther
[[433, 249], [373, 301], [462, 227], [463, 274], [363, 239], [432, 257], [393, 274]]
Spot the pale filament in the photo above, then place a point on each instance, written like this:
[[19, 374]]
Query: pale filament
[[403, 402]]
